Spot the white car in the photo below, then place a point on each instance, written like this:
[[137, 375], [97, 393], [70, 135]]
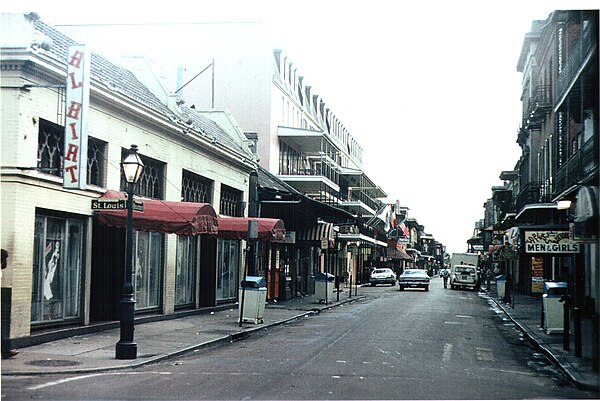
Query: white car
[[382, 276], [463, 276]]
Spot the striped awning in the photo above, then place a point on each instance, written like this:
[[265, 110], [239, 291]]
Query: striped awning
[[316, 233]]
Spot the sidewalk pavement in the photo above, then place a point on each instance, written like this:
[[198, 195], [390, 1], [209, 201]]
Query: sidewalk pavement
[[526, 313], [159, 340]]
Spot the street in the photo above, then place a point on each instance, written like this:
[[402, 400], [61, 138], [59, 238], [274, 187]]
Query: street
[[440, 344]]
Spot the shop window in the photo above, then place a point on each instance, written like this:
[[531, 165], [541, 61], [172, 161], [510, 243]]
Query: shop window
[[185, 270], [195, 188], [151, 182], [231, 202], [57, 267], [51, 148], [228, 269], [148, 269], [96, 162]]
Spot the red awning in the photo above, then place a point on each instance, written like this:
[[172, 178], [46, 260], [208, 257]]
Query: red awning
[[396, 250], [183, 218], [237, 228]]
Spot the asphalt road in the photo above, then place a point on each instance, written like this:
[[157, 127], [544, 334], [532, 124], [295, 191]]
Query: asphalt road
[[440, 344]]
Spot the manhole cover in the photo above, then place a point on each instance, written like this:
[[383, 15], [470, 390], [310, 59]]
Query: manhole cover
[[53, 362]]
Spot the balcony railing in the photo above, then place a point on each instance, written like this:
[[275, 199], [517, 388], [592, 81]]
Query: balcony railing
[[578, 167], [529, 194], [539, 105], [575, 59], [359, 196], [309, 164]]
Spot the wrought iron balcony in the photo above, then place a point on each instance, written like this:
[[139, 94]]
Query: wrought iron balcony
[[576, 59], [582, 164], [529, 194], [539, 106]]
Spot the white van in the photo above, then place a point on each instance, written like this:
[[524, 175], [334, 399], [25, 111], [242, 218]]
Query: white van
[[463, 276]]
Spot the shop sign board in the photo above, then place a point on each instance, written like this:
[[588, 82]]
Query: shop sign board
[[537, 275], [76, 117], [549, 242]]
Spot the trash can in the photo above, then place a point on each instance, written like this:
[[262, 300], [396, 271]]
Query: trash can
[[501, 286], [553, 309], [253, 292], [324, 283]]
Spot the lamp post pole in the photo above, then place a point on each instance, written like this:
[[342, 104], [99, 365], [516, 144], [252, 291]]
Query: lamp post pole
[[126, 348]]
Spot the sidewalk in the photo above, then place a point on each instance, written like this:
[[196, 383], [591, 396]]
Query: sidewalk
[[159, 340], [526, 315]]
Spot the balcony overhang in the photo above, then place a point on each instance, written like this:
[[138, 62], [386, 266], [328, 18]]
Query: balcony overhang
[[357, 207], [303, 140], [346, 171], [509, 175], [527, 210], [363, 239], [307, 184], [374, 192]]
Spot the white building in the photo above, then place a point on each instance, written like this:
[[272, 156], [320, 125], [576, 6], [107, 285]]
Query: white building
[[65, 264]]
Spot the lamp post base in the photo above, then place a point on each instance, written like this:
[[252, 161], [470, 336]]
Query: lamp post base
[[126, 350]]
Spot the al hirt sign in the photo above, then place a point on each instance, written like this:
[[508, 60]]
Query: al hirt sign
[[76, 117], [549, 242]]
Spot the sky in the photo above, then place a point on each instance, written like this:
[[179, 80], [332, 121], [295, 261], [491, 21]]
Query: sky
[[429, 89]]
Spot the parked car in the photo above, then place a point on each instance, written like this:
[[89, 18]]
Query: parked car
[[414, 278], [382, 276]]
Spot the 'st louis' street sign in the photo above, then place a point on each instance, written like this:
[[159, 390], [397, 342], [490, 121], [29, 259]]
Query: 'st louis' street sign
[[116, 204]]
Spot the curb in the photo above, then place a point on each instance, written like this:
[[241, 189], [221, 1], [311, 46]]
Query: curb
[[581, 385], [230, 338]]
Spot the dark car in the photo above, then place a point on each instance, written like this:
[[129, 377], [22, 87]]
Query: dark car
[[414, 278]]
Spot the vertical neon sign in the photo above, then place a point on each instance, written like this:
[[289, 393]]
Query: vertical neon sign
[[76, 118]]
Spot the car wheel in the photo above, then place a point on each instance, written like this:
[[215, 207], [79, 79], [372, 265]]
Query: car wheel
[[401, 288], [426, 288], [372, 284]]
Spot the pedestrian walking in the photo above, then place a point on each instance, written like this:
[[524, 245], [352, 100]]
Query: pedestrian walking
[[445, 276], [7, 352]]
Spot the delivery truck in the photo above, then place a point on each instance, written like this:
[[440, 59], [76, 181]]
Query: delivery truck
[[463, 270]]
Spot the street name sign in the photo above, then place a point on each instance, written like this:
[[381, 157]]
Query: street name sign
[[116, 204]]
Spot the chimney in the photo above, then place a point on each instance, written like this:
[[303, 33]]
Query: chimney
[[252, 137]]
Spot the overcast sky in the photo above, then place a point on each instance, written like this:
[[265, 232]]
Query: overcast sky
[[428, 88]]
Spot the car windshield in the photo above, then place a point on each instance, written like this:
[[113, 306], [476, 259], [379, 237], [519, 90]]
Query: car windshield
[[465, 269], [376, 271]]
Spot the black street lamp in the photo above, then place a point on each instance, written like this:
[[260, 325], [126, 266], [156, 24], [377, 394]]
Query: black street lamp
[[127, 348]]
